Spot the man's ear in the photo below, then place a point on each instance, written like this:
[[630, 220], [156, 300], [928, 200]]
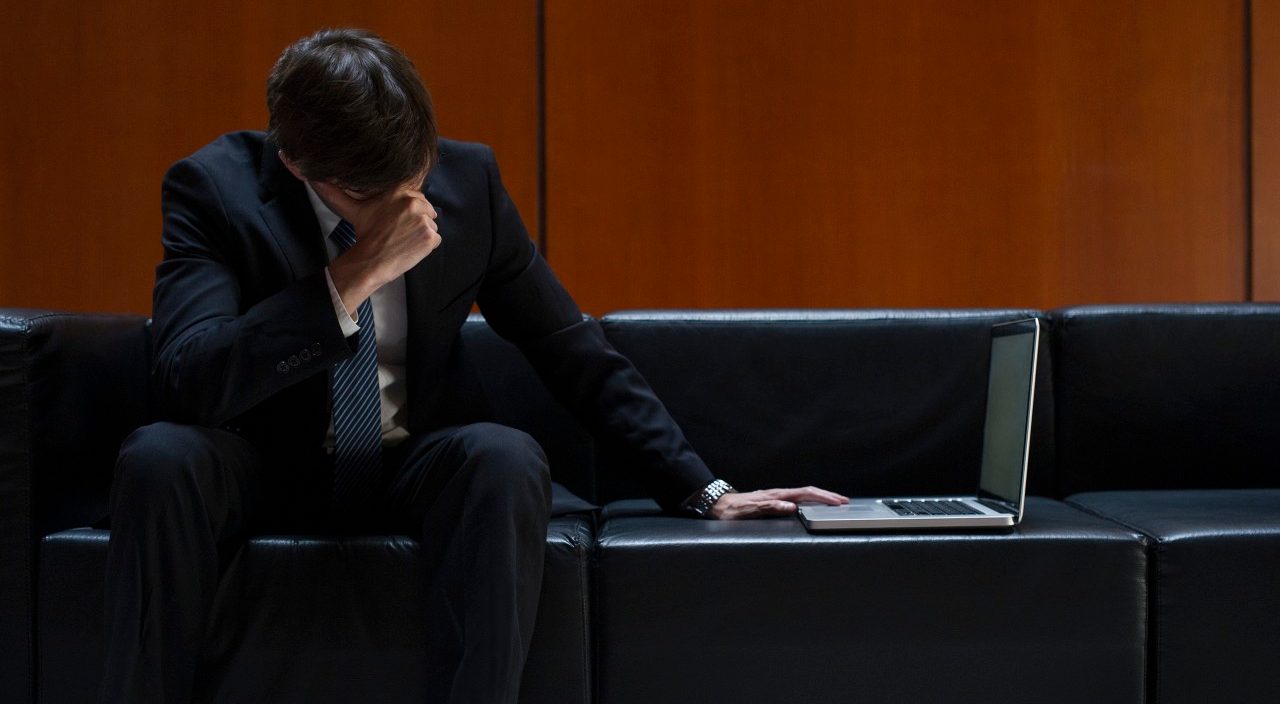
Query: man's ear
[[288, 164]]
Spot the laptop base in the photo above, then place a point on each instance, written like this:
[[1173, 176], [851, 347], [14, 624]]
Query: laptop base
[[875, 514]]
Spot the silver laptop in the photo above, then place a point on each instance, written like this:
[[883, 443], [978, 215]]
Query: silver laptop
[[1006, 441]]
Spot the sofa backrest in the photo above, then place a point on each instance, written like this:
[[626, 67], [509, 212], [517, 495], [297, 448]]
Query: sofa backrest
[[75, 384], [863, 402], [866, 401], [1167, 396]]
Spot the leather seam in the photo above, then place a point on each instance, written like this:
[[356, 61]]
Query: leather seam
[[1147, 539], [583, 548], [905, 317], [1151, 550], [26, 517]]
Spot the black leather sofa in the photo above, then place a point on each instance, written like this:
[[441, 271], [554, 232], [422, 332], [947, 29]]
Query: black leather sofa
[[1147, 569]]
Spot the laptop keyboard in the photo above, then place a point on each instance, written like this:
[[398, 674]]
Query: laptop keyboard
[[928, 507]]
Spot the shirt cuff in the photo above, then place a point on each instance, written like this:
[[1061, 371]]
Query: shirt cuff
[[349, 326]]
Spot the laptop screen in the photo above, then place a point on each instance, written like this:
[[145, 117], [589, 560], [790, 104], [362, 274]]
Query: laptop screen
[[1010, 383]]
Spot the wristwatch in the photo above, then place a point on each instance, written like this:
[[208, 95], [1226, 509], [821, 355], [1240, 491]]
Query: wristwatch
[[700, 503]]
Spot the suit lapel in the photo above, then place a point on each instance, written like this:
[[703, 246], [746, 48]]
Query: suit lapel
[[422, 281], [422, 293], [287, 212]]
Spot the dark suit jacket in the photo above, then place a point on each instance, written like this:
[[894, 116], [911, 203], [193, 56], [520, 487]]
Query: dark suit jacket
[[247, 337]]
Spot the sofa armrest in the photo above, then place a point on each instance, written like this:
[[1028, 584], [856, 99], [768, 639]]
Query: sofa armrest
[[72, 385]]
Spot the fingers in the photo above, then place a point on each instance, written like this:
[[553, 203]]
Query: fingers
[[431, 209], [351, 209], [759, 508], [810, 493], [414, 204], [776, 502], [778, 508]]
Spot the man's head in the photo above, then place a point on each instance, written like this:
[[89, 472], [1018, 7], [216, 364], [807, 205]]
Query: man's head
[[348, 108]]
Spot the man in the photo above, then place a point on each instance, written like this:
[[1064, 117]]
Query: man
[[313, 286]]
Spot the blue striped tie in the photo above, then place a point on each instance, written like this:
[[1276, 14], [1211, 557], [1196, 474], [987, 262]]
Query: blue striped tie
[[357, 406]]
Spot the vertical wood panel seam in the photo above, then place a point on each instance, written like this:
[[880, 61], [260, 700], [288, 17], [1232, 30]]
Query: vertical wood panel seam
[[541, 30], [1248, 150]]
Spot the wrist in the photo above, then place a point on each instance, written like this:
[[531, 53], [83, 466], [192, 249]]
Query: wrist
[[700, 503], [352, 285]]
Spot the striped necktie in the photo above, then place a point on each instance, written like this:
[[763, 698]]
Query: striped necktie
[[357, 405]]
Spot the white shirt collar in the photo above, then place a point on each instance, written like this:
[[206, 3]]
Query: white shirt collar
[[327, 218]]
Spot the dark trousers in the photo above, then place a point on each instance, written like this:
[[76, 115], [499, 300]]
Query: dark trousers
[[185, 498]]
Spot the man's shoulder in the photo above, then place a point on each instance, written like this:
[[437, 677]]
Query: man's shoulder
[[464, 165], [231, 150], [458, 156], [468, 151], [229, 170]]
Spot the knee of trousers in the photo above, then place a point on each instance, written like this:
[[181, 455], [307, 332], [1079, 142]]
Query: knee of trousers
[[505, 459], [158, 465]]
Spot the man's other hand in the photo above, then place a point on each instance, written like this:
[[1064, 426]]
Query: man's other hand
[[770, 502], [394, 231]]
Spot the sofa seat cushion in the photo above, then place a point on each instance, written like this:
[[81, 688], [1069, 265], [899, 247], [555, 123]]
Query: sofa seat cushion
[[1216, 587], [761, 611], [312, 620]]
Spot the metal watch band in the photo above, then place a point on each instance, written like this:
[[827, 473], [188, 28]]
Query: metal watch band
[[707, 498]]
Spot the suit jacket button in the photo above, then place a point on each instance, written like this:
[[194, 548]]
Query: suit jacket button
[[315, 348], [283, 367], [294, 361], [305, 355]]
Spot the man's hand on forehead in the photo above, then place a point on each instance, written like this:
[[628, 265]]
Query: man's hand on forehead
[[352, 205], [394, 231]]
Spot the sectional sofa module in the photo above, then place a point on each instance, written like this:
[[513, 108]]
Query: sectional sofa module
[[1154, 527]]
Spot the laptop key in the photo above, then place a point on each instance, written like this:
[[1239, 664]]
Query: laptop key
[[898, 508], [965, 509], [926, 508], [906, 508]]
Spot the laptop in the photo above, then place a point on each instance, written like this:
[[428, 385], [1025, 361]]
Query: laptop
[[1006, 441]]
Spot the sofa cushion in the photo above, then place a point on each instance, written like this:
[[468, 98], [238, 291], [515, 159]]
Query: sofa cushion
[[1167, 396], [1216, 587], [761, 611], [862, 402], [312, 620]]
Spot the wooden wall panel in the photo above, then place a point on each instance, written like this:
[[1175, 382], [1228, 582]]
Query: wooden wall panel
[[1265, 17], [895, 153], [99, 97]]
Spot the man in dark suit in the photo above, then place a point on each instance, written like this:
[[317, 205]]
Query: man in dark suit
[[314, 283]]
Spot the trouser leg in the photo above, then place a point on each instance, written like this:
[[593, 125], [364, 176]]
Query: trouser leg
[[481, 495], [179, 504]]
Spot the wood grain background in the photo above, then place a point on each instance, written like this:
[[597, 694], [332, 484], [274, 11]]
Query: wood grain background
[[101, 96], [703, 153], [1265, 153]]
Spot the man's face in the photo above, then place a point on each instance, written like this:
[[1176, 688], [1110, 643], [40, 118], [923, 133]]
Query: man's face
[[413, 184]]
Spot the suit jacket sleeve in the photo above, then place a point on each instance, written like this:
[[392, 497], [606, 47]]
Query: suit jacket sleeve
[[218, 355], [525, 303]]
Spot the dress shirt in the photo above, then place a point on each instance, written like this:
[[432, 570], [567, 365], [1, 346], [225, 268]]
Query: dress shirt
[[391, 330]]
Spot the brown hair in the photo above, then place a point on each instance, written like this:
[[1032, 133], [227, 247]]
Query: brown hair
[[348, 107]]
